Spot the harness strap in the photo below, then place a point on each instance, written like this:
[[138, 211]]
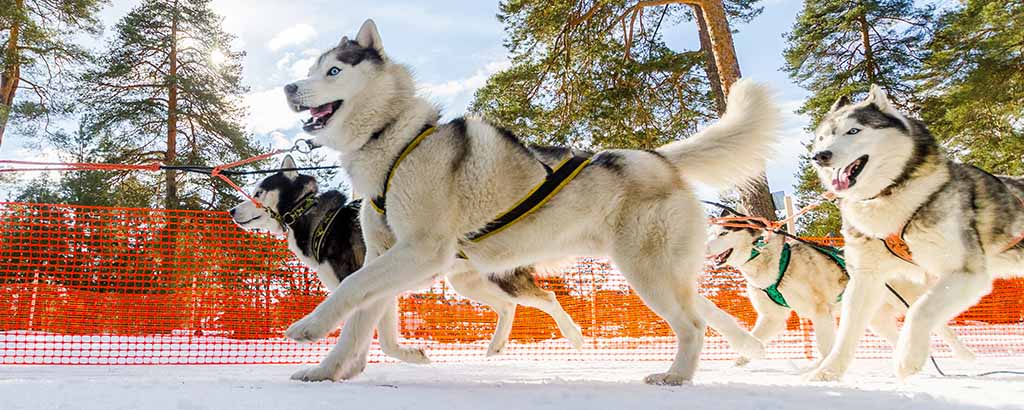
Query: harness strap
[[565, 172], [773, 290], [836, 255], [321, 231], [378, 202], [289, 218]]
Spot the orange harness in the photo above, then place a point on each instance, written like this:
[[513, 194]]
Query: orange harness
[[899, 248]]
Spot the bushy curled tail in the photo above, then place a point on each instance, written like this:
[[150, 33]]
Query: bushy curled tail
[[735, 148]]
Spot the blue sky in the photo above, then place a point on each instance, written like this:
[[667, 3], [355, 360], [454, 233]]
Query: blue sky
[[452, 46]]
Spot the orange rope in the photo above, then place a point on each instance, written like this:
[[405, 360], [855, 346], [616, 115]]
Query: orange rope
[[153, 167]]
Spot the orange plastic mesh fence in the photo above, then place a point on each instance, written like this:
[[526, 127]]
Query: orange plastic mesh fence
[[94, 285]]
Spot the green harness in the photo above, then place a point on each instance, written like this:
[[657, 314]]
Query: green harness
[[773, 291]]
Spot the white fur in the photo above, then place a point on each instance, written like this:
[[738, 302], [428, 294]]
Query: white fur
[[954, 270], [646, 218], [811, 285]]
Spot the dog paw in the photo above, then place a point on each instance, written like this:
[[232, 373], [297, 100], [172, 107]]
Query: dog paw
[[742, 361], [908, 366], [496, 347], [667, 379], [575, 337], [317, 373], [824, 374], [412, 355], [749, 347], [964, 354], [910, 358], [308, 329]]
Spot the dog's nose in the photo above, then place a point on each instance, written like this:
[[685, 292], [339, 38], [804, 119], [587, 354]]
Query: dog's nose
[[823, 158], [291, 89], [232, 212]]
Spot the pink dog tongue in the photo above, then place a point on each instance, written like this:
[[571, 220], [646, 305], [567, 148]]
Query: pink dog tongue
[[322, 110], [842, 181]]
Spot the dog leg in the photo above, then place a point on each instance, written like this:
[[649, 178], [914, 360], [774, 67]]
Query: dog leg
[[389, 335], [739, 339], [474, 285], [960, 350], [348, 357], [771, 320], [862, 299], [953, 294], [547, 302], [399, 269], [674, 298]]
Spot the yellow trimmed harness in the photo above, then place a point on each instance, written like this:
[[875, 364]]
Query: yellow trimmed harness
[[557, 178]]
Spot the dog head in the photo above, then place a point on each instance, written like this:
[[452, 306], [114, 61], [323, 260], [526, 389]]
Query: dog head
[[280, 193], [731, 245], [338, 79], [861, 148]]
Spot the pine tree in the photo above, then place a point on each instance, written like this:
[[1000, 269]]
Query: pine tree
[[38, 56], [839, 48], [974, 80], [167, 88], [573, 82], [598, 74]]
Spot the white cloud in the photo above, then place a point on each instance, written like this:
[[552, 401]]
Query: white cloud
[[292, 36], [268, 111], [455, 95]]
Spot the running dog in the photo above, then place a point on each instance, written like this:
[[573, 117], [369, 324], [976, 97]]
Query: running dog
[[911, 214], [809, 279], [323, 232], [468, 195]]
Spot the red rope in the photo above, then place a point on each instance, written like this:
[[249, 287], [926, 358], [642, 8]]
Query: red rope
[[153, 167]]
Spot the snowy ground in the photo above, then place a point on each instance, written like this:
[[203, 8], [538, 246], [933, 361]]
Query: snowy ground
[[771, 384]]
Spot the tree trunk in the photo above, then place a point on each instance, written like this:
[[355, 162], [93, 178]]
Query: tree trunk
[[710, 67], [12, 71], [869, 53], [170, 178], [756, 198]]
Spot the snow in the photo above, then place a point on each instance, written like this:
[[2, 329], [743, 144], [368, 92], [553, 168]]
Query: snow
[[506, 384]]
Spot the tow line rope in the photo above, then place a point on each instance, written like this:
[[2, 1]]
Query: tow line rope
[[744, 221], [222, 172]]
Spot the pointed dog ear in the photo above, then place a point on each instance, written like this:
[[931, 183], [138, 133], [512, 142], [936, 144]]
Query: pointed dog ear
[[288, 162], [344, 40], [369, 37], [878, 97], [840, 103]]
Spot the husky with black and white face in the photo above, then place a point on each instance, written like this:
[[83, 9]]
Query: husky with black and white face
[[636, 206], [809, 282], [962, 225], [292, 205]]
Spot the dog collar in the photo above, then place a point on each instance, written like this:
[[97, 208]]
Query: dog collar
[[378, 202], [289, 218]]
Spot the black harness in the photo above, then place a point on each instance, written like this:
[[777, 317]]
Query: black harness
[[555, 180]]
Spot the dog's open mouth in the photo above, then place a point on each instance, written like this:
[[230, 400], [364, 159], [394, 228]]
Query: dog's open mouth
[[847, 177], [720, 259], [244, 223], [319, 115]]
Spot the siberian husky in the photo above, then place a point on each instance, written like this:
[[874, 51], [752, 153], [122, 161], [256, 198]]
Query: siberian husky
[[438, 189], [808, 279], [911, 214], [323, 232]]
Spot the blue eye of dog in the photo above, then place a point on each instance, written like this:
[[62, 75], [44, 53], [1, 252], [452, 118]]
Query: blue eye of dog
[[853, 131], [333, 71]]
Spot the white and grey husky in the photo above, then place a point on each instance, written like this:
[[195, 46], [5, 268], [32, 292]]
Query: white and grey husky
[[809, 279], [911, 214], [468, 195], [323, 232]]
